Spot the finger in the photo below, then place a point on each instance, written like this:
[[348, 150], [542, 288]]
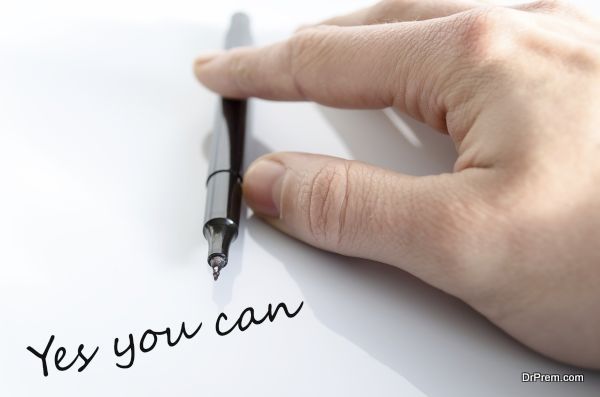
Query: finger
[[547, 7], [403, 65], [554, 7], [421, 224], [387, 11], [342, 67]]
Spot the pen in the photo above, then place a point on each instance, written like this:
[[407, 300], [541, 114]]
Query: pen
[[224, 182]]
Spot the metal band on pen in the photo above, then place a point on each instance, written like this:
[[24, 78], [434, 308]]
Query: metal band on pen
[[237, 174]]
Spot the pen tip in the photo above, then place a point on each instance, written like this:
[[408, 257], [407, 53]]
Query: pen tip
[[217, 263]]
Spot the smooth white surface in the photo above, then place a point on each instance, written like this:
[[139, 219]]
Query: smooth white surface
[[103, 137]]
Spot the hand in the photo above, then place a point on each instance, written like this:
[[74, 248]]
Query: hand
[[514, 231]]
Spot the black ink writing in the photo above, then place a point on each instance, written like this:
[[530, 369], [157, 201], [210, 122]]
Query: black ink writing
[[150, 339], [60, 354], [130, 348], [148, 342], [247, 317]]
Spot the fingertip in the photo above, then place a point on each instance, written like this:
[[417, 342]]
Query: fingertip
[[207, 57], [304, 27], [262, 186], [204, 60]]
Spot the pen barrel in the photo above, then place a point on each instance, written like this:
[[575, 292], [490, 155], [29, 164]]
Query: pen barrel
[[224, 183], [227, 151], [224, 197]]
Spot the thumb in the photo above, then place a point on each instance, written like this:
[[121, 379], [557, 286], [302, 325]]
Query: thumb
[[425, 225]]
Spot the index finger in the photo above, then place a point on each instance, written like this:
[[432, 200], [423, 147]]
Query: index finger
[[327, 64], [376, 66]]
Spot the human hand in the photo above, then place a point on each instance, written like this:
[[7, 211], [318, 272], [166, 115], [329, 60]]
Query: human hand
[[513, 230]]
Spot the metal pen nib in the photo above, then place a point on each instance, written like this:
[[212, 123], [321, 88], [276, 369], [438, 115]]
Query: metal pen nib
[[220, 233], [217, 263]]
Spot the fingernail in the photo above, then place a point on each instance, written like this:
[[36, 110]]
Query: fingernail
[[207, 57], [262, 186], [304, 27]]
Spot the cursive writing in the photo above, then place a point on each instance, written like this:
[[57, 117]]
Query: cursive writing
[[247, 317], [60, 354], [153, 337], [150, 338]]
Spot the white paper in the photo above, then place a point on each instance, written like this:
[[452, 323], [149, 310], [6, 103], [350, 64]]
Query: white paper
[[103, 140]]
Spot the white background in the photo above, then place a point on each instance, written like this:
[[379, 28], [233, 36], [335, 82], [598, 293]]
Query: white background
[[268, 14], [103, 136]]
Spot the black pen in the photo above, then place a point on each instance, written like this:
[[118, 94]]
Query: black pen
[[224, 182]]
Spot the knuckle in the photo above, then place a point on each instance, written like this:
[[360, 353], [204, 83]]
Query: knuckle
[[327, 194], [306, 46], [305, 49], [557, 7], [545, 6], [583, 58], [240, 71], [387, 11], [482, 33]]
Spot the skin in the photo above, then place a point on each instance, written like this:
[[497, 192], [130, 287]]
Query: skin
[[514, 230]]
